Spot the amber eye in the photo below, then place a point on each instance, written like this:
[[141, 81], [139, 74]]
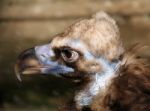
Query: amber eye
[[69, 55]]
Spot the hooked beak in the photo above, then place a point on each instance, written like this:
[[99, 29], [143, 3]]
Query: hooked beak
[[39, 60]]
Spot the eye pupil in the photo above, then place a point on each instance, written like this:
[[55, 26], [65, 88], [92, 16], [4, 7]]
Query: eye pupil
[[67, 53]]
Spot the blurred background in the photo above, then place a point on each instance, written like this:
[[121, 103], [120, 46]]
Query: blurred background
[[26, 23]]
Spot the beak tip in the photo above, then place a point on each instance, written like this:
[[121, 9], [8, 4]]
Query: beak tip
[[18, 77], [17, 73]]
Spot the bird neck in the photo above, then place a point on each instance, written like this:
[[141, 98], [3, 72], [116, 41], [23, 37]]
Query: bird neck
[[98, 83]]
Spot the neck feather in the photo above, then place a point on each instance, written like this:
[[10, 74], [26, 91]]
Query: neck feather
[[98, 84]]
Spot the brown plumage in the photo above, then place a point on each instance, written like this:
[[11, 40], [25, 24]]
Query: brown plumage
[[130, 90], [90, 51]]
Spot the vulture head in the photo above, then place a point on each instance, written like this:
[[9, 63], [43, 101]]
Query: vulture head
[[89, 51]]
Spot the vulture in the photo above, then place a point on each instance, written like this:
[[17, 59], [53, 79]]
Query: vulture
[[90, 52]]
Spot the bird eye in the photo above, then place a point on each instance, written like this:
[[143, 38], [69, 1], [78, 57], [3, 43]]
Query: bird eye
[[69, 55]]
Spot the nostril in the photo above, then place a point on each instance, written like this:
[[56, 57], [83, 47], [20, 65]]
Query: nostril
[[43, 55]]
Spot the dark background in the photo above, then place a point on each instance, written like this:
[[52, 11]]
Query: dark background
[[26, 23]]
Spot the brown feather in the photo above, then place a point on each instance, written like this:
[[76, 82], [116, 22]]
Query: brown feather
[[130, 91]]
